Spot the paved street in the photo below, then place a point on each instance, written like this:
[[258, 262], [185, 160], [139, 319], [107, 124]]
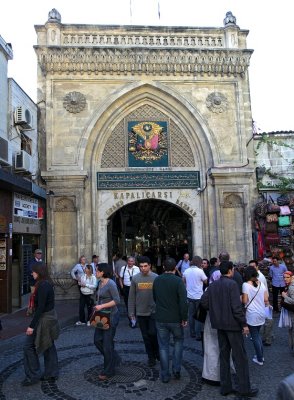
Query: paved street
[[80, 365]]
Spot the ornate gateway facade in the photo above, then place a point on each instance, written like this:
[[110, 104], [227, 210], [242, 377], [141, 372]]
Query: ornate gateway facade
[[146, 134]]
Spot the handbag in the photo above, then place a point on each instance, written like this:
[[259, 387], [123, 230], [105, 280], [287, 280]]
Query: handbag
[[287, 306], [272, 238], [285, 231], [283, 200], [260, 209], [200, 314], [271, 227], [284, 220], [100, 319], [272, 207], [285, 210], [285, 241], [271, 218]]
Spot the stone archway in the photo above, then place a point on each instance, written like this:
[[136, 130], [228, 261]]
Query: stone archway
[[185, 202]]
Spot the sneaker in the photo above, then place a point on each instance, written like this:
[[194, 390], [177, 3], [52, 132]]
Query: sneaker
[[255, 360], [255, 356], [80, 323], [88, 323]]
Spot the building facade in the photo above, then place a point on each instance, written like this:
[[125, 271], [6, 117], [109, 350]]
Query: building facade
[[22, 200], [147, 139]]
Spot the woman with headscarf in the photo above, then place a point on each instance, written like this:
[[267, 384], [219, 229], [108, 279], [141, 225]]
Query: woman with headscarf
[[42, 331], [255, 298], [288, 303], [107, 300]]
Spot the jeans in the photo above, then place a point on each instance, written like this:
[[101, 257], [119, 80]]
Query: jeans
[[85, 300], [195, 326], [257, 341], [148, 330], [164, 331], [104, 341], [32, 363]]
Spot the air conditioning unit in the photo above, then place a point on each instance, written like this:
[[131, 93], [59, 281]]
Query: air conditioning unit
[[22, 161], [4, 151], [23, 117]]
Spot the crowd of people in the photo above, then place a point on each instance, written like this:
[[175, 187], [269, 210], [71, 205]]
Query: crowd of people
[[218, 303]]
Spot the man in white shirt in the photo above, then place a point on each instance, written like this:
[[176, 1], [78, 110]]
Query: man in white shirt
[[125, 278], [183, 264], [267, 329], [194, 278]]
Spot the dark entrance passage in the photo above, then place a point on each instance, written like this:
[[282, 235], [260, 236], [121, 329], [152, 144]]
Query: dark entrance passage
[[151, 227]]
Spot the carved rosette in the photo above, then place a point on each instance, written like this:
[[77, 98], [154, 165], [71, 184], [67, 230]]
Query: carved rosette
[[74, 102], [216, 102]]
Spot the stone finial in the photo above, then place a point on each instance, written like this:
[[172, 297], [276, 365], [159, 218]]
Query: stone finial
[[54, 16], [229, 19]]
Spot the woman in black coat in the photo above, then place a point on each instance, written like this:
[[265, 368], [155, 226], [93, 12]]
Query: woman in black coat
[[42, 331]]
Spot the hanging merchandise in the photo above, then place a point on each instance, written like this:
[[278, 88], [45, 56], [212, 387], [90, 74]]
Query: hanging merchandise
[[284, 220], [271, 217], [283, 200], [285, 210]]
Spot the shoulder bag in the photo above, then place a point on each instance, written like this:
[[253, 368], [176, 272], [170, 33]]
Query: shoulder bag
[[200, 314], [245, 308]]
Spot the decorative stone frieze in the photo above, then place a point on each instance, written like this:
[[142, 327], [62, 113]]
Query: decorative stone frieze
[[133, 61], [216, 102], [74, 102]]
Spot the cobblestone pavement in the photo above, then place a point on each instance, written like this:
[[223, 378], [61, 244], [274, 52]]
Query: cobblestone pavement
[[80, 364]]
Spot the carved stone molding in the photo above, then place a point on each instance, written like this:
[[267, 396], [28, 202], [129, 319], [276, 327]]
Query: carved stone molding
[[74, 102], [70, 60], [216, 102], [233, 201], [64, 204]]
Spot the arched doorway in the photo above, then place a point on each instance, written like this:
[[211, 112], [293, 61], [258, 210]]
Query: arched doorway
[[152, 227]]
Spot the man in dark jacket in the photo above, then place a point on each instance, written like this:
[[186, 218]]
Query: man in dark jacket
[[222, 299], [171, 316]]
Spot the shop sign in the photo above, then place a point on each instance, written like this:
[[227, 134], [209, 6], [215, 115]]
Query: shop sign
[[24, 206]]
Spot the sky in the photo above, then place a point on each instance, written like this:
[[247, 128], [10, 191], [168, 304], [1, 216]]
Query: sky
[[270, 26]]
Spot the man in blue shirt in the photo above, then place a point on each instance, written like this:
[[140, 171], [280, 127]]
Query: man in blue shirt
[[183, 264], [276, 271]]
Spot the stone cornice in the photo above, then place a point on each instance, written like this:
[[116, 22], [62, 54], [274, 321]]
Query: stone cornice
[[138, 61]]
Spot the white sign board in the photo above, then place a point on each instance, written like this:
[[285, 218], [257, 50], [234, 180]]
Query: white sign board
[[24, 206]]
